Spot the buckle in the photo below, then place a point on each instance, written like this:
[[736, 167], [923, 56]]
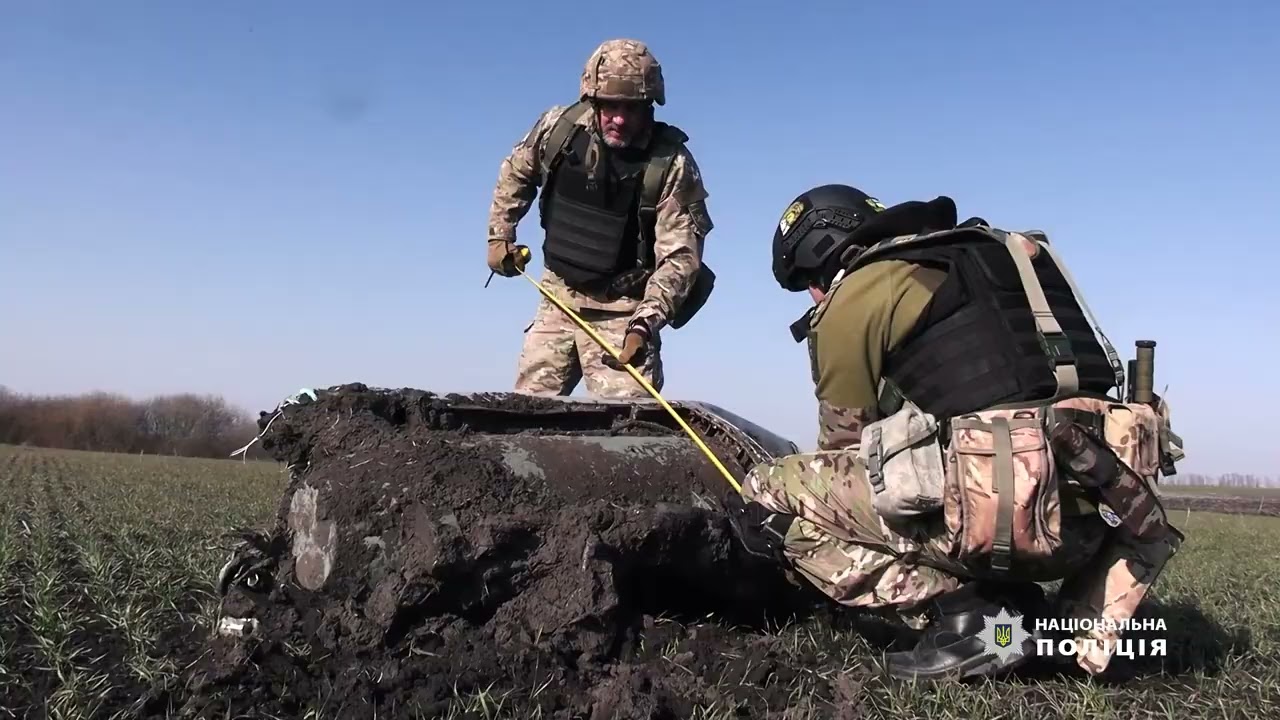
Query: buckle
[[875, 470], [1058, 348], [778, 525]]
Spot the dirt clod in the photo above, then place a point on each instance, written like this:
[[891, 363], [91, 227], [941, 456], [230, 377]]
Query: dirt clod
[[427, 561]]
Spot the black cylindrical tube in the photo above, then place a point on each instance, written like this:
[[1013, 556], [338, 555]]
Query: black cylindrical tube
[[1145, 377]]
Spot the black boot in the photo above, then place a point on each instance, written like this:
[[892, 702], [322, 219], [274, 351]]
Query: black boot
[[760, 530], [952, 646]]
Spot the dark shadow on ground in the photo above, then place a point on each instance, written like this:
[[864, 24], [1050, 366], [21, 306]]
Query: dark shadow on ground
[[1195, 643]]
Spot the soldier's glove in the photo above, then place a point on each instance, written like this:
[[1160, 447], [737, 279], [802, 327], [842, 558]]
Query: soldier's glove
[[505, 258], [759, 529], [634, 347]]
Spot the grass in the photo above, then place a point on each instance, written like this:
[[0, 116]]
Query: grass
[[107, 570], [107, 565]]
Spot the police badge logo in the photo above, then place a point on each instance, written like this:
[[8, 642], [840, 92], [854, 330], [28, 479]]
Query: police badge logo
[[1003, 635], [789, 217]]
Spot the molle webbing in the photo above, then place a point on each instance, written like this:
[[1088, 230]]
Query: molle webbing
[[1001, 429], [1056, 344], [894, 246], [952, 369], [1112, 355], [589, 240], [1000, 328], [665, 145]]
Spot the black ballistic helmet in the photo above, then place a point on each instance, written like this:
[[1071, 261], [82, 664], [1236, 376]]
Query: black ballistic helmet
[[815, 231]]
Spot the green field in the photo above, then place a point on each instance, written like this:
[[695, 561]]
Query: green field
[[107, 569], [1253, 492], [107, 566]]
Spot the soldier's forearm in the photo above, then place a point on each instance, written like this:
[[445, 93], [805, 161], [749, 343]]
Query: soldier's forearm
[[840, 428], [667, 287], [512, 197], [518, 181]]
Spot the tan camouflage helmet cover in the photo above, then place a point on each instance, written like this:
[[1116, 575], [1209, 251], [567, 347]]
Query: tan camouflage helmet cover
[[623, 70]]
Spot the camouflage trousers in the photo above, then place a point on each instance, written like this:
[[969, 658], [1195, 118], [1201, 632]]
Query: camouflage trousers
[[841, 545], [1111, 588], [557, 355]]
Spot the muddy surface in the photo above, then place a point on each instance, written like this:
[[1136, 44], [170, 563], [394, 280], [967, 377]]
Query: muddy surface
[[490, 557], [442, 565]]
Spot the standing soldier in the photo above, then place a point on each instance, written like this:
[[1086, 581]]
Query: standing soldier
[[624, 212]]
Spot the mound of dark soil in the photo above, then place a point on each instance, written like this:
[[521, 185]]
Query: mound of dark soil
[[427, 560]]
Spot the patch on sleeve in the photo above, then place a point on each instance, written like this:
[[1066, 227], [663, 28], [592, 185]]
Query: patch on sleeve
[[530, 139], [701, 218], [686, 181]]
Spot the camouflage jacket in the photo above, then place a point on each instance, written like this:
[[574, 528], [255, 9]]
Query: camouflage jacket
[[681, 227]]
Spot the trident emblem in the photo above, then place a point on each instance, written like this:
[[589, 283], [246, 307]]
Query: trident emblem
[[1004, 634]]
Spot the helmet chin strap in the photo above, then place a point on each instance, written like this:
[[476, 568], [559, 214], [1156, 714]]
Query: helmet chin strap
[[800, 328]]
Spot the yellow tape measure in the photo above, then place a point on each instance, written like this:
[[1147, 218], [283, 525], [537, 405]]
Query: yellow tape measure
[[525, 255]]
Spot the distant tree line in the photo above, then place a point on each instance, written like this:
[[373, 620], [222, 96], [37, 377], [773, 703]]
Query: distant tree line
[[207, 426], [1227, 480], [184, 424]]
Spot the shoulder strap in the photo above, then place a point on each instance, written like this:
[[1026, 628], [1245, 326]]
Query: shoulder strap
[[667, 141], [1065, 370], [553, 149], [938, 237], [1043, 241], [558, 139], [1055, 340]]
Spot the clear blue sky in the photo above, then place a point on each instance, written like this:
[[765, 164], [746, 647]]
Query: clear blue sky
[[249, 198]]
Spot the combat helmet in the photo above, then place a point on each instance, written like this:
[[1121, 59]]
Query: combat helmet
[[623, 70], [826, 228], [815, 230]]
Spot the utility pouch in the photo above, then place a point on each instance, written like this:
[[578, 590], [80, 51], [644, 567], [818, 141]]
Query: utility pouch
[[1001, 498], [703, 284], [903, 457], [1131, 430], [1095, 464]]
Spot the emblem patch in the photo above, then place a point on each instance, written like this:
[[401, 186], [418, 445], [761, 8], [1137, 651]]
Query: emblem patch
[[789, 217], [1109, 516], [1003, 634]]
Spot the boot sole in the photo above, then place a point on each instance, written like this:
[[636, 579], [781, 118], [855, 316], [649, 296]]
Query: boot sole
[[987, 665]]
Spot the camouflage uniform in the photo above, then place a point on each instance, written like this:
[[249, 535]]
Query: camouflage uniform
[[848, 551], [838, 541], [556, 353]]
